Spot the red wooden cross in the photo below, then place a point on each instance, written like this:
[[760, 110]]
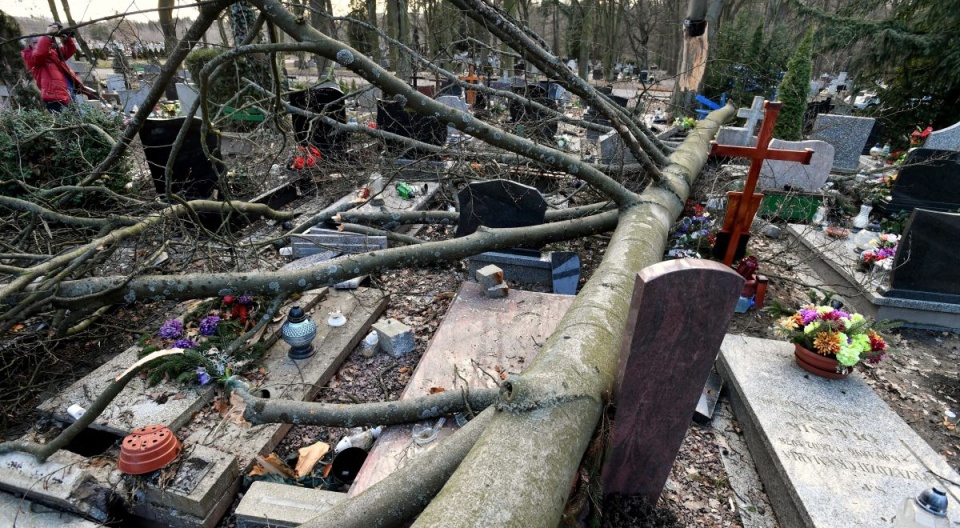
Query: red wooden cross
[[472, 79], [740, 211]]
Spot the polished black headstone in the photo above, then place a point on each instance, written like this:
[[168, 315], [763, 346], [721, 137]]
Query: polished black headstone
[[928, 179], [925, 267], [540, 124], [498, 204], [194, 176], [393, 117], [328, 102]]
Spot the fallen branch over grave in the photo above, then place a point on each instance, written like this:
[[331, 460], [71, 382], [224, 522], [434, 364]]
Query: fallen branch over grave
[[264, 410]]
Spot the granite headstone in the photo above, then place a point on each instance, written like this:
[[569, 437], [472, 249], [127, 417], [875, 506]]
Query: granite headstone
[[929, 179], [193, 174], [657, 389], [925, 267], [538, 123], [944, 139], [498, 204], [613, 150], [327, 101], [847, 134], [393, 117], [788, 175]]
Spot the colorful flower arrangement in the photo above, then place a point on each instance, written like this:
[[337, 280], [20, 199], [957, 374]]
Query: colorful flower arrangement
[[204, 334], [832, 332], [694, 231], [685, 123], [882, 248]]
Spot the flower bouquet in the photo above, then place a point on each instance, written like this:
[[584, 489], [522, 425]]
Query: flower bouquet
[[881, 248], [829, 340], [209, 335]]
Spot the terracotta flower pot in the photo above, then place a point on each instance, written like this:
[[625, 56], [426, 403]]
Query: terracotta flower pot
[[148, 449], [823, 366]]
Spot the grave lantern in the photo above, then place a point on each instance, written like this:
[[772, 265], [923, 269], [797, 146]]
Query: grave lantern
[[298, 331]]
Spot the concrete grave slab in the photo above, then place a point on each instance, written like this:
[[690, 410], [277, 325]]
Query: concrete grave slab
[[781, 175], [66, 481], [944, 139], [318, 240], [203, 477], [273, 505], [135, 407], [830, 452], [477, 334], [559, 270], [297, 380], [23, 513], [847, 134]]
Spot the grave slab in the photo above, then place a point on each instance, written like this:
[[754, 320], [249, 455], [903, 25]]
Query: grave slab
[[925, 266], [781, 175], [559, 270], [274, 505], [22, 513], [135, 407], [847, 134], [834, 261], [318, 240], [476, 335], [65, 481], [830, 452], [944, 139], [202, 478]]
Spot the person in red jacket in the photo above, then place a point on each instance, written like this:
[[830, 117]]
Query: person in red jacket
[[47, 61]]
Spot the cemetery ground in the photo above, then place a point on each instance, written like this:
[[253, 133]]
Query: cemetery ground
[[919, 382]]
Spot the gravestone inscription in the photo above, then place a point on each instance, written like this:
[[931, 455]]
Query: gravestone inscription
[[657, 389]]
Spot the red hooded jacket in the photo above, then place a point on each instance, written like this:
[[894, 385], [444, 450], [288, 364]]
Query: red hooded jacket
[[49, 68]]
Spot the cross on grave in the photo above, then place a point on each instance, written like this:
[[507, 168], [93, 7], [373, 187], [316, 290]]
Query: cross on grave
[[752, 114], [472, 78], [741, 207]]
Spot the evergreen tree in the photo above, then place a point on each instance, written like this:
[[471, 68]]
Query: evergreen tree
[[793, 91]]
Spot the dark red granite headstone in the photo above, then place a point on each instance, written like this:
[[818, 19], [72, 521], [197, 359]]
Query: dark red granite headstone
[[678, 317]]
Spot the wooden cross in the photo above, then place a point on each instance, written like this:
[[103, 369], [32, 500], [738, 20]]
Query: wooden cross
[[472, 78], [752, 115], [741, 207]]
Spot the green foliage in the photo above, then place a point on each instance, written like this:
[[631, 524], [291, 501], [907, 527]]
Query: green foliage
[[359, 37], [913, 51], [228, 83], [47, 150], [793, 92], [743, 74]]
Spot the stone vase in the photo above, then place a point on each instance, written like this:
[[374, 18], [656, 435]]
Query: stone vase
[[823, 366]]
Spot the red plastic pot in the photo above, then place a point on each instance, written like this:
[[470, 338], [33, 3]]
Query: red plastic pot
[[148, 449]]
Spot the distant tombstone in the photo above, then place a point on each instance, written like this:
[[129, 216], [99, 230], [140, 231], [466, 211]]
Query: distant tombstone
[[393, 117], [925, 267], [786, 175], [597, 75], [847, 134], [449, 88], [876, 136], [753, 115], [367, 98], [813, 110], [539, 123], [613, 150], [194, 175], [657, 388], [498, 204], [187, 95], [326, 101], [457, 102], [116, 82], [944, 139], [132, 98]]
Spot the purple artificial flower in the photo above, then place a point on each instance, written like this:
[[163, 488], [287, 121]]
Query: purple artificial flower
[[808, 315], [208, 326], [171, 329], [202, 376], [245, 299], [184, 343]]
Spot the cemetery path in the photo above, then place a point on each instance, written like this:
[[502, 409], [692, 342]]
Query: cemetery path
[[920, 380]]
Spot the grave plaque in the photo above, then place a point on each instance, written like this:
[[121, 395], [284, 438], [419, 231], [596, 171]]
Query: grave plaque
[[830, 453], [925, 267], [945, 139], [663, 368], [785, 175], [847, 134], [498, 204], [929, 179], [194, 175], [326, 101]]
